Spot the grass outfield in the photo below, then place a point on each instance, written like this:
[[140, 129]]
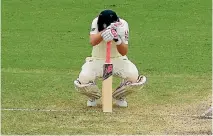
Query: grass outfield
[[45, 42]]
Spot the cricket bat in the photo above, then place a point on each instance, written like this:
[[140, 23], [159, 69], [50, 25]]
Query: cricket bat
[[107, 81]]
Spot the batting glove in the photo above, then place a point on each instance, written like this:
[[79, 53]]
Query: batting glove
[[109, 34], [115, 25]]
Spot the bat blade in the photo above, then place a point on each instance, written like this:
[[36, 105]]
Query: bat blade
[[107, 94], [107, 82]]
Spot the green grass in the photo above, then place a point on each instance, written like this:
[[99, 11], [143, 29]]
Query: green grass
[[45, 42]]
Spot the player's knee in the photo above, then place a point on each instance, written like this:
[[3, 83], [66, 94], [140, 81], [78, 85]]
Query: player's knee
[[131, 72], [132, 75], [85, 77]]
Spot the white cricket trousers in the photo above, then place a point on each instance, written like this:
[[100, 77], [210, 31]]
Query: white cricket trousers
[[122, 67]]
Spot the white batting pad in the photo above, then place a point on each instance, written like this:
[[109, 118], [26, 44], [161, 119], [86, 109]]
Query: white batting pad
[[127, 88], [91, 89]]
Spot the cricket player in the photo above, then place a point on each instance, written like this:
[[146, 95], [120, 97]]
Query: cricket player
[[109, 27]]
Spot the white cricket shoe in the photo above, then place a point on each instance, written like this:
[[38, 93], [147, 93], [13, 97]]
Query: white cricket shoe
[[91, 103], [121, 103]]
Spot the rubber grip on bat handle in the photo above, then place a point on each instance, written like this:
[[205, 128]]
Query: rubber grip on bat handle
[[108, 52]]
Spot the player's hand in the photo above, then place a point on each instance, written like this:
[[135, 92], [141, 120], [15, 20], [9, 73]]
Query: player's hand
[[109, 34]]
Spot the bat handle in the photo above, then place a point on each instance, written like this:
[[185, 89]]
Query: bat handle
[[108, 52]]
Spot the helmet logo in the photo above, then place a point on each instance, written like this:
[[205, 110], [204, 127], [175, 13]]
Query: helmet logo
[[104, 25]]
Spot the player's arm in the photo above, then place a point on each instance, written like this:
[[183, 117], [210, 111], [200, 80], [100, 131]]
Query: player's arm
[[122, 48], [95, 36], [95, 39], [122, 41]]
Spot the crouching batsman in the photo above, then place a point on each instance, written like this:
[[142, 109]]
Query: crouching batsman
[[109, 27]]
